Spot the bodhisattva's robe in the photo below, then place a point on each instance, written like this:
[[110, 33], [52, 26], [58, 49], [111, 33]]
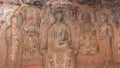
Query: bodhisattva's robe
[[3, 46], [105, 34]]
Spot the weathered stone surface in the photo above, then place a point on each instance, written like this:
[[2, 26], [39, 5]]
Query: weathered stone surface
[[59, 34]]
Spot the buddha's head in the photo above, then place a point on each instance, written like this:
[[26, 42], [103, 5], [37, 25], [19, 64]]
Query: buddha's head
[[59, 16], [103, 18], [31, 14]]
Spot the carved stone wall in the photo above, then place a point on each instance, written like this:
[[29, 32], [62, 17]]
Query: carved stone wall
[[59, 34]]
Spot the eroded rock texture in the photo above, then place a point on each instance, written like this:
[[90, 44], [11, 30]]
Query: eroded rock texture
[[59, 34]]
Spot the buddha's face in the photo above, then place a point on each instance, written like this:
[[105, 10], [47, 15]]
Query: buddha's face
[[58, 17], [103, 18], [31, 17]]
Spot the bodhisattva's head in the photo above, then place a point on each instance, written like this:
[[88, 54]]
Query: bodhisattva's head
[[104, 18], [59, 16], [86, 18], [31, 15]]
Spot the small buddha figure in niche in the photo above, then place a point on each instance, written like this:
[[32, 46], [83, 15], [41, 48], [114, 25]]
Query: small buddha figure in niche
[[88, 38], [59, 52], [30, 33]]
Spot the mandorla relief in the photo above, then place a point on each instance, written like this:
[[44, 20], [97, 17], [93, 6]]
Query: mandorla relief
[[21, 38]]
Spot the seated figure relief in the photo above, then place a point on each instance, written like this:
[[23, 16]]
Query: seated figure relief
[[30, 33], [59, 52], [88, 38], [26, 29], [30, 40]]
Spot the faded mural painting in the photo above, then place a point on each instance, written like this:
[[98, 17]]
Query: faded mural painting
[[59, 34]]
